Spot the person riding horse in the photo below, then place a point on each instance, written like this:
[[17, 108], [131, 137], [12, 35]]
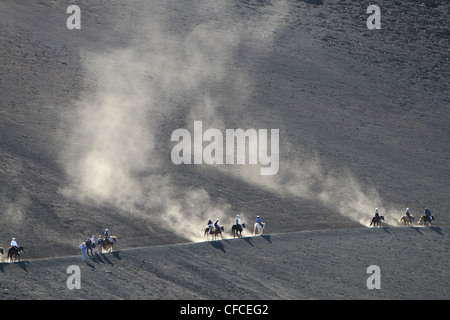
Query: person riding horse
[[258, 220], [407, 214], [428, 214], [239, 223], [210, 225], [15, 245], [376, 213], [217, 226], [107, 234]]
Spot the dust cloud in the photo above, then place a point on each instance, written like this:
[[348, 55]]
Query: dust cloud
[[118, 147]]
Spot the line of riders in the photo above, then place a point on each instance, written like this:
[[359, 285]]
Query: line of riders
[[216, 229], [105, 242], [406, 219]]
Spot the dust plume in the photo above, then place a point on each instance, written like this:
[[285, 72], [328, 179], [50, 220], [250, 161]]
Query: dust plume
[[118, 148], [308, 178]]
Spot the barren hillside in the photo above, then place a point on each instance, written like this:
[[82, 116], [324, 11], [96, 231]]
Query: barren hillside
[[327, 264], [87, 118]]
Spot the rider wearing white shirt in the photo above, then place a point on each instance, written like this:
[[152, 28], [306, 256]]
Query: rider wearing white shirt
[[217, 225], [14, 244], [238, 222]]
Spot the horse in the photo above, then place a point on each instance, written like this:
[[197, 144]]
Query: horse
[[13, 253], [235, 229], [406, 220], [214, 232], [258, 229], [108, 246], [425, 219], [1, 251], [376, 221]]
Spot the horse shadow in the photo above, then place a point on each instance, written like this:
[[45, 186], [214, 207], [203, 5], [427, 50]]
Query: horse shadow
[[267, 237], [417, 229], [116, 255], [218, 245], [437, 229], [248, 240], [23, 265]]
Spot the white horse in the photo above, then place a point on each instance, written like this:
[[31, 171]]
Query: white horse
[[257, 229]]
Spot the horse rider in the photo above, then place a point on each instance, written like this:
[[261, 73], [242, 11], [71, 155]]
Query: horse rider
[[407, 214], [239, 223], [14, 245], [210, 225], [376, 214], [107, 234], [258, 220], [428, 213], [217, 225]]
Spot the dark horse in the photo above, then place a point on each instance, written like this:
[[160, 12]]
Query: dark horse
[[376, 221], [214, 232], [426, 219], [13, 253], [235, 229]]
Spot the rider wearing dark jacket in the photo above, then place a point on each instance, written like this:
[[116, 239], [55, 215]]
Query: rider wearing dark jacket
[[428, 213]]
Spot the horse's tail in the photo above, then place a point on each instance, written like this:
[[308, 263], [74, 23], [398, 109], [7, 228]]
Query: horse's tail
[[400, 220], [371, 223]]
